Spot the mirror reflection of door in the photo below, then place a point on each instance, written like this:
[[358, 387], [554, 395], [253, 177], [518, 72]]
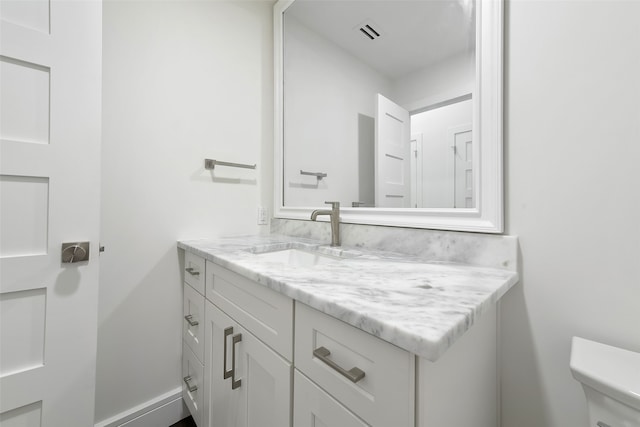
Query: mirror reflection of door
[[392, 152], [462, 141], [443, 175]]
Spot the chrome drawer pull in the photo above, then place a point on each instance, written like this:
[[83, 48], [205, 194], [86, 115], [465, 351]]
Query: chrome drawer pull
[[226, 374], [190, 387], [192, 271], [601, 424], [189, 319], [354, 374], [234, 383]]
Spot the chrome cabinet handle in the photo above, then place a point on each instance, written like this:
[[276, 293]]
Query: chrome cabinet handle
[[354, 374], [189, 319], [187, 381], [192, 271], [232, 372], [234, 383], [226, 374], [601, 424]]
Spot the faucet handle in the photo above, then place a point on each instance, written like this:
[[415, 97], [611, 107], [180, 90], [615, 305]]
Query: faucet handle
[[334, 205]]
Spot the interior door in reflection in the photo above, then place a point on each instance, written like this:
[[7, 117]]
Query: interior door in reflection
[[393, 152]]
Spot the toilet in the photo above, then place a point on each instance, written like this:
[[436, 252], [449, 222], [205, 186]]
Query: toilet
[[610, 378]]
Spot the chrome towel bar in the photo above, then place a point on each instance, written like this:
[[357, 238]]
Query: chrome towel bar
[[318, 175], [211, 164]]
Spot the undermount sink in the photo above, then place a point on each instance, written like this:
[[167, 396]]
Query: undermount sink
[[298, 257], [299, 254]]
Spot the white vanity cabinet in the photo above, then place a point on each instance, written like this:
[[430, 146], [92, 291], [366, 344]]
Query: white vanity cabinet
[[254, 357], [248, 352]]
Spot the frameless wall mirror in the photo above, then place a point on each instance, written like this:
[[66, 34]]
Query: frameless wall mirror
[[393, 108]]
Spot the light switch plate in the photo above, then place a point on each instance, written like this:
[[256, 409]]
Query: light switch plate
[[262, 215]]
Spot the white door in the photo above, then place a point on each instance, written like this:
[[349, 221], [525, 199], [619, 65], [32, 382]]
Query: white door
[[393, 151], [50, 70], [462, 143], [262, 393]]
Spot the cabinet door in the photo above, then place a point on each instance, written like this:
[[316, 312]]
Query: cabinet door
[[312, 407], [262, 396]]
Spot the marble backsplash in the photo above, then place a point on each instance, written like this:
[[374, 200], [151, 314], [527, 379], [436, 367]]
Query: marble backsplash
[[486, 250]]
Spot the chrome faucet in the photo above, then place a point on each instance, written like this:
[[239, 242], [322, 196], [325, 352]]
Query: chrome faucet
[[334, 215]]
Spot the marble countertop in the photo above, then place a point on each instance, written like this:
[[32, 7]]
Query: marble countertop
[[419, 305]]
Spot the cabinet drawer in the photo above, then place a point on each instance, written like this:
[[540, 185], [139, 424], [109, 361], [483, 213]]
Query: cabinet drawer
[[385, 396], [265, 313], [313, 407], [192, 384], [193, 322], [194, 271]]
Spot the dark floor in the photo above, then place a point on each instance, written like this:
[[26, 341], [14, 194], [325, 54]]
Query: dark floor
[[187, 422]]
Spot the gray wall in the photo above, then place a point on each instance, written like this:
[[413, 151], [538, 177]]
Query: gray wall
[[182, 81], [573, 150]]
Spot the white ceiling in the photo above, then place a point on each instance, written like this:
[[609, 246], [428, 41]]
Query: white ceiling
[[414, 34]]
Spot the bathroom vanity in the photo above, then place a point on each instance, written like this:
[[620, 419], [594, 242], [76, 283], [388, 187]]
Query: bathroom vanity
[[287, 331]]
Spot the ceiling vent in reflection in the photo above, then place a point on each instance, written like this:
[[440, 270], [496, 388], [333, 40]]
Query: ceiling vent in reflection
[[369, 30]]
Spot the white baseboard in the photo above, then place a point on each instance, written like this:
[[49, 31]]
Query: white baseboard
[[161, 411]]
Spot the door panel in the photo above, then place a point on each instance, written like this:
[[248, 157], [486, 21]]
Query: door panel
[[50, 70], [33, 14], [23, 215], [24, 416], [25, 101], [22, 317]]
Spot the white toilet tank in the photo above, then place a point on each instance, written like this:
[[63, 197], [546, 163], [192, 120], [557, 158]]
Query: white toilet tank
[[610, 378]]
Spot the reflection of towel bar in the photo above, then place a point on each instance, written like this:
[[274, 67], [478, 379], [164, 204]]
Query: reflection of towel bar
[[210, 164], [318, 175], [393, 157]]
